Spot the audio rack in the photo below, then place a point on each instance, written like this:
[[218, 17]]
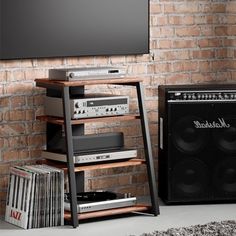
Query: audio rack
[[78, 129]]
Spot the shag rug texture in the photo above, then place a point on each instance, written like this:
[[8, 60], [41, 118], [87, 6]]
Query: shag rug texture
[[224, 228]]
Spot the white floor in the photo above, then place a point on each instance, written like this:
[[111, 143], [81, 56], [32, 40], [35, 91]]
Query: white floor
[[171, 216]]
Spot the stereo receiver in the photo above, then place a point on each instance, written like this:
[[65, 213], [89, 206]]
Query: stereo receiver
[[93, 105]]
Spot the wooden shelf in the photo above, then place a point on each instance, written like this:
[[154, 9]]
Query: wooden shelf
[[131, 162], [60, 83], [117, 211], [60, 121]]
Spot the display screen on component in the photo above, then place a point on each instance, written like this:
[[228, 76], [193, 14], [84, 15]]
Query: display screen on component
[[107, 102]]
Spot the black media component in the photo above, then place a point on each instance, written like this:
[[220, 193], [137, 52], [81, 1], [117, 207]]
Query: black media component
[[86, 143], [61, 28], [94, 196], [197, 143]]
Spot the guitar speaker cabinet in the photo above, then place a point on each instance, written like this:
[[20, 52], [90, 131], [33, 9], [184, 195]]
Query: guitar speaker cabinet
[[197, 143]]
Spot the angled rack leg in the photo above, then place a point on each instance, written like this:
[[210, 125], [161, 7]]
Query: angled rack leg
[[70, 154], [148, 150]]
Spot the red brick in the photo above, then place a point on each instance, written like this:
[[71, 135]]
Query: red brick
[[4, 102], [169, 8], [158, 20], [220, 65], [23, 154], [10, 156], [17, 141], [117, 59], [218, 8], [12, 129], [231, 7], [202, 77], [184, 43], [17, 101], [15, 75], [36, 140], [212, 42], [201, 54], [152, 104], [137, 69], [181, 20], [3, 196], [3, 76], [102, 60], [185, 66], [207, 31], [223, 76], [4, 169], [32, 74], [155, 32], [4, 179], [230, 42], [2, 207], [166, 31], [188, 31], [155, 8], [221, 30], [151, 92], [17, 115], [165, 43], [231, 30], [50, 62], [231, 19], [11, 64], [139, 178], [222, 53], [162, 67], [19, 88], [187, 7], [174, 55], [205, 66], [179, 78], [204, 19]]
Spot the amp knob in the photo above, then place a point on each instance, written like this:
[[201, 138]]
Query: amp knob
[[77, 105], [71, 75]]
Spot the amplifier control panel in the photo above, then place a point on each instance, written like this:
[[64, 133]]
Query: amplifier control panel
[[228, 95]]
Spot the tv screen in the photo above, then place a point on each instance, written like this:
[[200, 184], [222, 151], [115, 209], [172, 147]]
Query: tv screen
[[61, 28]]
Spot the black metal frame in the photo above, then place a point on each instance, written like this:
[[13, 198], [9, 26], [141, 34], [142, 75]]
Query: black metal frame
[[73, 187], [70, 155], [148, 149]]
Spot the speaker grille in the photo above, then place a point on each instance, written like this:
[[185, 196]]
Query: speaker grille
[[186, 138], [190, 179], [226, 138], [224, 177]]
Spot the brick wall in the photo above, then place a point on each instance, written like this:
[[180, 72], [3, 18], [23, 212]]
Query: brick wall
[[191, 42]]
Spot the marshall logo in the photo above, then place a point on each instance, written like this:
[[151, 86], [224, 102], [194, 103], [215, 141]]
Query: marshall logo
[[219, 124], [16, 215]]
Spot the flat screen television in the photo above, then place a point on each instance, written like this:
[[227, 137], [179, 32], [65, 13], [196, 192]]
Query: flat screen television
[[62, 28]]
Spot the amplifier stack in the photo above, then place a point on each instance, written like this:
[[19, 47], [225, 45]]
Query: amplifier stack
[[197, 143]]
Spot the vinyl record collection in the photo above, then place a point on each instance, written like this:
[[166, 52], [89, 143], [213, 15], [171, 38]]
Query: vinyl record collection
[[35, 196]]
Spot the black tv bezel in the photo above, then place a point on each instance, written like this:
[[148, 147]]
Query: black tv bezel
[[88, 55]]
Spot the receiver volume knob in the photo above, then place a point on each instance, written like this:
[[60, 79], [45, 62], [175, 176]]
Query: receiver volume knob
[[71, 75]]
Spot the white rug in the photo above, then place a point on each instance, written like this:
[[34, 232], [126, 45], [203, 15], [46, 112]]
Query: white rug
[[224, 228]]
